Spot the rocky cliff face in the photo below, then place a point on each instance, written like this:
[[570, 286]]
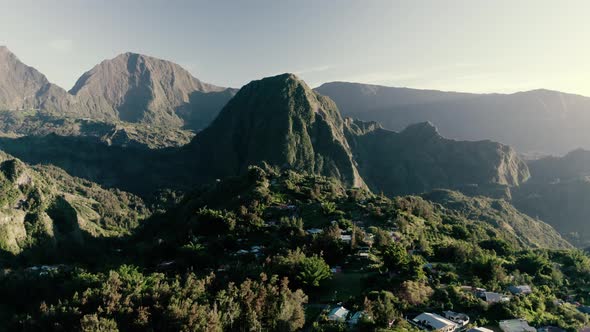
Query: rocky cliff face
[[418, 159], [138, 88], [132, 88], [279, 121], [23, 87]]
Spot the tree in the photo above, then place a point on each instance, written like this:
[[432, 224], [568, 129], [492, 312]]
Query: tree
[[415, 293], [93, 323], [313, 270], [382, 308], [395, 258]]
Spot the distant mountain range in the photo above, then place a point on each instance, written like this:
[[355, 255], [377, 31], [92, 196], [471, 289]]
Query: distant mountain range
[[281, 122], [135, 88], [533, 122], [101, 128], [131, 88]]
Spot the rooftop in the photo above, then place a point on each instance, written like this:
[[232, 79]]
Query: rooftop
[[433, 320]]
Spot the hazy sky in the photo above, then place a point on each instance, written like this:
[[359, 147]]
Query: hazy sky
[[476, 46]]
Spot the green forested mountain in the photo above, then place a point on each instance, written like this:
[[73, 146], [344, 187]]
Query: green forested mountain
[[240, 254], [280, 121], [46, 212], [277, 211], [418, 159]]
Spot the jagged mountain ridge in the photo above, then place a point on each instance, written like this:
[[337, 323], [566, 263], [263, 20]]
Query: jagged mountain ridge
[[418, 159], [130, 87], [23, 87], [280, 121], [533, 122], [138, 88]]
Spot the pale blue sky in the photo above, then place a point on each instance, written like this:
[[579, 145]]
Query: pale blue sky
[[478, 46]]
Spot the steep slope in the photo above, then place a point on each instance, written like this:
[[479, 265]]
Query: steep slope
[[558, 192], [43, 208], [502, 216], [419, 159], [138, 88], [280, 121], [23, 87], [539, 121]]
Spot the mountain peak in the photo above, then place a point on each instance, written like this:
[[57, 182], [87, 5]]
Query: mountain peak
[[138, 88], [421, 129], [23, 87], [280, 121]]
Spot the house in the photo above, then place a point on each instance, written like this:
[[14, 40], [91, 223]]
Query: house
[[338, 314], [355, 319], [521, 289], [346, 237], [459, 318], [433, 322], [491, 297], [479, 329], [516, 325]]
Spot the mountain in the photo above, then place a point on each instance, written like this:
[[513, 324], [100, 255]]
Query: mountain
[[500, 214], [539, 121], [280, 121], [558, 192], [43, 209], [131, 88], [418, 159], [138, 88], [23, 87]]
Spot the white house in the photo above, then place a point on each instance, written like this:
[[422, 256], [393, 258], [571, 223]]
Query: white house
[[434, 322], [338, 314]]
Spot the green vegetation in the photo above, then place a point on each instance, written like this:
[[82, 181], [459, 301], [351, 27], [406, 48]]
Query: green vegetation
[[240, 253], [41, 123]]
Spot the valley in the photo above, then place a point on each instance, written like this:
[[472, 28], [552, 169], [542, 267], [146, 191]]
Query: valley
[[146, 200]]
